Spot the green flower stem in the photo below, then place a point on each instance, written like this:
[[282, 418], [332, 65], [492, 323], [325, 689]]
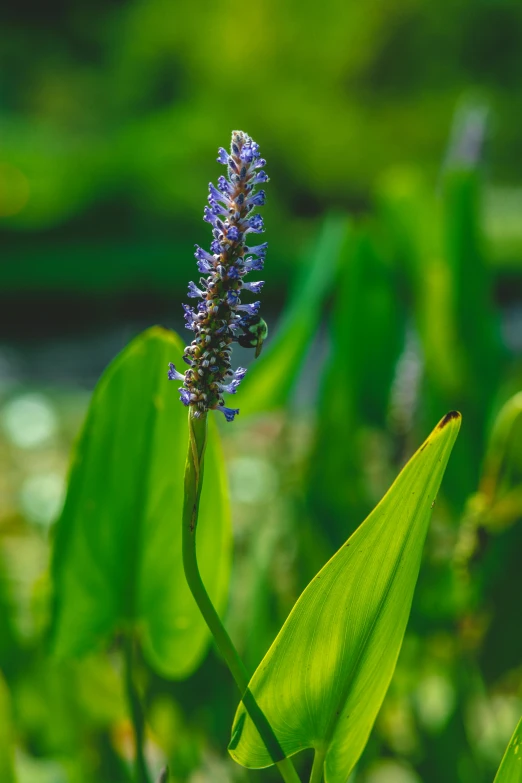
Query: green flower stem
[[318, 766], [141, 774], [193, 484]]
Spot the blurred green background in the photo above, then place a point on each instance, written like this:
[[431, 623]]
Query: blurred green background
[[399, 116]]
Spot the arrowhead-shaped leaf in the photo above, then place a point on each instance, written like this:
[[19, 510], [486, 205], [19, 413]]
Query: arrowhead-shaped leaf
[[510, 770], [117, 560], [322, 682]]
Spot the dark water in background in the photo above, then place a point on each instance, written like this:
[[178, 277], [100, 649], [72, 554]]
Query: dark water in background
[[70, 346], [68, 341]]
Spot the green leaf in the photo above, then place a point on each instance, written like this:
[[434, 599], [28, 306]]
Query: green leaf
[[117, 560], [271, 379], [449, 276], [502, 436], [322, 682], [366, 336], [510, 770]]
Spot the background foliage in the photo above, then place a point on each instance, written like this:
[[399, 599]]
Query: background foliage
[[395, 238]]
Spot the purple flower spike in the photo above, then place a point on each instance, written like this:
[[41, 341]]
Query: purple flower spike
[[220, 318]]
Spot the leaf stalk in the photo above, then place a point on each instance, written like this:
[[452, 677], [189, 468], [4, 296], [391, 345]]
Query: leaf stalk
[[316, 775], [193, 485]]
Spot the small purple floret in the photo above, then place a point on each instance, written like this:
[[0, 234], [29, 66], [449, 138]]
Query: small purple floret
[[254, 264], [173, 374], [260, 177], [250, 309], [258, 200], [193, 291], [255, 224], [255, 288], [258, 250], [230, 413], [222, 156], [184, 395], [240, 373]]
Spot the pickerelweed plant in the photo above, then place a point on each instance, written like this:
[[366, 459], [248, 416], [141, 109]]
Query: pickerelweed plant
[[219, 320], [294, 701]]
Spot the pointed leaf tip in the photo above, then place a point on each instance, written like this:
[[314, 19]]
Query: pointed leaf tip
[[451, 416]]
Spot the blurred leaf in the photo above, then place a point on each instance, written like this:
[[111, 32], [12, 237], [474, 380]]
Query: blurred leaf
[[505, 511], [271, 379], [117, 560], [367, 334], [99, 690], [453, 298], [9, 650], [6, 737], [322, 682], [367, 328], [476, 320], [501, 437], [510, 770]]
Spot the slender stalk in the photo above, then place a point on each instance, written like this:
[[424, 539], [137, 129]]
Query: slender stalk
[[318, 767], [193, 484], [141, 774]]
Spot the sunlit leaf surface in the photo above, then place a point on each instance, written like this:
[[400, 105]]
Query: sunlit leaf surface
[[323, 680], [117, 563], [510, 770]]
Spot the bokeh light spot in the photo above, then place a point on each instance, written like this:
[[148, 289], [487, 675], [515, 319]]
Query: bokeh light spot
[[252, 480], [41, 498], [29, 421]]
